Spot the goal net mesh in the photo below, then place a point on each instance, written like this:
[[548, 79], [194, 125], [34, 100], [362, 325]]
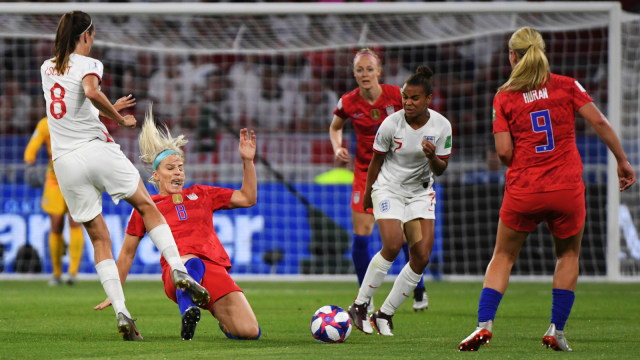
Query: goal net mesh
[[209, 75]]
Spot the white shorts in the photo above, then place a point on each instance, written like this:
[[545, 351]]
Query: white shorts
[[86, 172], [388, 205]]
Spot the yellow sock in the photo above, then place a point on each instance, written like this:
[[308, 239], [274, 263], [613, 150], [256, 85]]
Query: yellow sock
[[56, 248], [76, 245]]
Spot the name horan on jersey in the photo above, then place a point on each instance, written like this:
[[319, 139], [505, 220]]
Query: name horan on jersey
[[534, 95]]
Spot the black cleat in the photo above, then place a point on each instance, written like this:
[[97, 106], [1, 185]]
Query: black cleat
[[127, 328], [189, 321]]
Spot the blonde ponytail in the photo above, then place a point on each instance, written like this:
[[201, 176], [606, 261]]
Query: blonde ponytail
[[532, 71]]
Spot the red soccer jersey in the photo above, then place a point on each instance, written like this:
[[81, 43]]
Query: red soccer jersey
[[541, 124], [366, 119], [190, 217]]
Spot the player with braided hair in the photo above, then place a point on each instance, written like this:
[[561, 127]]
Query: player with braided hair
[[411, 147], [366, 106]]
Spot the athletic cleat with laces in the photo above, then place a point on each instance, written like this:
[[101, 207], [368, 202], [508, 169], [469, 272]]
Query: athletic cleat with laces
[[127, 328], [480, 336], [55, 281], [358, 314], [420, 300], [185, 282], [555, 339], [382, 323], [190, 319]]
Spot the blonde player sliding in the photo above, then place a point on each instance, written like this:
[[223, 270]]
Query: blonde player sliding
[[87, 161], [189, 210], [410, 147]]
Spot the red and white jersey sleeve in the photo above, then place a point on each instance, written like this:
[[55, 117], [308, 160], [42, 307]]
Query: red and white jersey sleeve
[[366, 118], [190, 217], [406, 169], [73, 120], [542, 126]]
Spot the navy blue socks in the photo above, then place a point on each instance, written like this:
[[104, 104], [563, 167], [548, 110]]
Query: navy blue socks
[[561, 307], [489, 301], [360, 255], [195, 268]]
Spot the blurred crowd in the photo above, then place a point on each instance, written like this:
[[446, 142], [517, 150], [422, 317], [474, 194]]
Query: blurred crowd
[[282, 92]]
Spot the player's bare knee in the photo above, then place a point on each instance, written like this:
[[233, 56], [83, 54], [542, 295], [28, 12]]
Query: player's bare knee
[[419, 263], [391, 251], [253, 333], [247, 331]]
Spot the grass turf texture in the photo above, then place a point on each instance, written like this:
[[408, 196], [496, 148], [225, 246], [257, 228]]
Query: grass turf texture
[[41, 322]]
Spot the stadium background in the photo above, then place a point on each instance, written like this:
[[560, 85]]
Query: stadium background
[[282, 75]]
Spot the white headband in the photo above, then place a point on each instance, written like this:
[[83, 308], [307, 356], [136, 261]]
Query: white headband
[[88, 27]]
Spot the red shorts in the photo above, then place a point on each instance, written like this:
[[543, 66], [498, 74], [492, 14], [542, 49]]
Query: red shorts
[[357, 193], [216, 280], [563, 210]]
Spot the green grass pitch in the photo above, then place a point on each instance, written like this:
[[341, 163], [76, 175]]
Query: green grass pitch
[[41, 322]]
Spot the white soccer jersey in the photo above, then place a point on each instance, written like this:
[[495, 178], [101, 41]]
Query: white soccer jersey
[[406, 170], [73, 120]]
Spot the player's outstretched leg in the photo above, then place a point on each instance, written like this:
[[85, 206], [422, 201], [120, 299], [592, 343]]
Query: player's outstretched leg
[[127, 328], [481, 335], [555, 339], [190, 319], [382, 323], [185, 282], [358, 314]]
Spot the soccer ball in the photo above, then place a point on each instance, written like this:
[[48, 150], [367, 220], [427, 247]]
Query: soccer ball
[[330, 324]]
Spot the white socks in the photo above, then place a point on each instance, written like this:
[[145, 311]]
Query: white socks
[[110, 279], [403, 288], [163, 239], [376, 272]]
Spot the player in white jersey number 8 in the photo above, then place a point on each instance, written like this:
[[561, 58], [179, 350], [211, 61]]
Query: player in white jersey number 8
[[87, 161]]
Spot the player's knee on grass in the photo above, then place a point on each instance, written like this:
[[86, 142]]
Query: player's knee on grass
[[251, 332], [243, 332]]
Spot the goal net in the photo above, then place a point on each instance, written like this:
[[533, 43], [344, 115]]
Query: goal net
[[211, 69]]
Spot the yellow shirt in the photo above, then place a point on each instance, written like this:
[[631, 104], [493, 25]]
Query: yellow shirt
[[40, 136]]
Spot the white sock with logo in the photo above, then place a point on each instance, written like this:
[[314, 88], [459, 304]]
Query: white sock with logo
[[110, 279], [163, 239], [377, 270], [402, 289]]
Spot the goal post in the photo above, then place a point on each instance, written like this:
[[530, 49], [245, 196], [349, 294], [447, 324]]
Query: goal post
[[212, 68]]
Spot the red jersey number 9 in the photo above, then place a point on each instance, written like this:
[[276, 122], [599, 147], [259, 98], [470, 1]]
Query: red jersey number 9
[[541, 122], [57, 99]]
